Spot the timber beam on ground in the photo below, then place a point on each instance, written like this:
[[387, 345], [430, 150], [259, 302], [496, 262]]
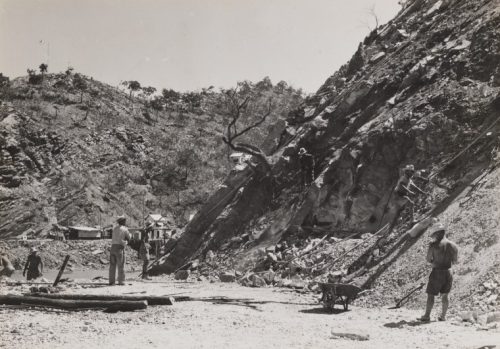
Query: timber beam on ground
[[74, 304]]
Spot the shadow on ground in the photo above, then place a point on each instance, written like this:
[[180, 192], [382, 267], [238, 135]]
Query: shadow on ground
[[323, 311], [403, 323], [244, 302]]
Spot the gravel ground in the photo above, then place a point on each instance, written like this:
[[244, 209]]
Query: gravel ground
[[246, 318]]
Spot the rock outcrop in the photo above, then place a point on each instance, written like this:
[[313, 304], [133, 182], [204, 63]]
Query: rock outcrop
[[422, 89]]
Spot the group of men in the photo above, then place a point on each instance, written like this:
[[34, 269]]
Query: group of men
[[33, 267], [119, 239]]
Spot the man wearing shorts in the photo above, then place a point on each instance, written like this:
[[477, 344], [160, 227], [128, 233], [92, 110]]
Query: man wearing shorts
[[442, 253]]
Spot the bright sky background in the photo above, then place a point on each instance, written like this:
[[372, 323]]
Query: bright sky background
[[187, 44]]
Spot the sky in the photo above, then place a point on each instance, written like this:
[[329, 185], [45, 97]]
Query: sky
[[187, 44]]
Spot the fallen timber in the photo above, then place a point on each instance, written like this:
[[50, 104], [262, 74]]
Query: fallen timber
[[151, 300], [20, 283], [74, 304], [61, 271]]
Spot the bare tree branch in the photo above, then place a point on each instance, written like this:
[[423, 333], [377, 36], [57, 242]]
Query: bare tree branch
[[262, 119], [239, 107]]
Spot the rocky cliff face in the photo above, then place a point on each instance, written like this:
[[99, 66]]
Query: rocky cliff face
[[424, 89]]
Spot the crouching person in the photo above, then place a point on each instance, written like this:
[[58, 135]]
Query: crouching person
[[119, 239]]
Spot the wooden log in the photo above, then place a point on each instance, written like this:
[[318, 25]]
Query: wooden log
[[61, 271], [152, 300], [20, 283], [351, 336], [74, 304]]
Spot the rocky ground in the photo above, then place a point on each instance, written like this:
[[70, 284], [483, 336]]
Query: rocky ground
[[228, 315]]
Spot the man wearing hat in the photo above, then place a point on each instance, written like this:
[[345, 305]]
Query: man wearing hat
[[406, 188], [442, 253], [119, 239], [144, 252], [306, 166], [34, 265]]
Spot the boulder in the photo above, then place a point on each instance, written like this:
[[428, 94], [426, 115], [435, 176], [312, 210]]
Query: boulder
[[227, 277], [210, 255], [182, 274], [268, 276], [256, 281], [493, 317], [272, 257]]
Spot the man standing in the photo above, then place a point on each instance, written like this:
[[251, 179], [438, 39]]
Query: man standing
[[144, 255], [405, 189], [34, 265], [442, 253], [306, 167], [119, 239]]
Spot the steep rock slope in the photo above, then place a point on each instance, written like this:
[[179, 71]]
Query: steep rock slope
[[424, 89]]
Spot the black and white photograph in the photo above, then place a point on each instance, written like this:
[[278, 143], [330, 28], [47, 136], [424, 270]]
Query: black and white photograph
[[281, 174]]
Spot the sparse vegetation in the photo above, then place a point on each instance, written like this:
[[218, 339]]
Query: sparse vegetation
[[4, 80], [132, 85], [43, 68], [80, 84], [171, 140]]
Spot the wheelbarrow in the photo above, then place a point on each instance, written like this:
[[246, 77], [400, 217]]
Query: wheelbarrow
[[337, 294]]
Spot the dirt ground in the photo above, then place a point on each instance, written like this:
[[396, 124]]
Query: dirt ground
[[228, 315]]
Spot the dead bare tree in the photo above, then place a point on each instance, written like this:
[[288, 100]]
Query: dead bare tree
[[372, 14], [237, 108]]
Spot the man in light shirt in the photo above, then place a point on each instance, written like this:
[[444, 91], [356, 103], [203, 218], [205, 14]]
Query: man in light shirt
[[119, 240]]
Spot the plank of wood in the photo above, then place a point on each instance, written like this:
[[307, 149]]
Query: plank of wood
[[61, 271], [351, 336], [112, 305], [152, 300]]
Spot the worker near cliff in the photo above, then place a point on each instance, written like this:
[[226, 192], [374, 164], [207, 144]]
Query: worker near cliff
[[119, 239], [6, 267], [306, 166], [34, 265], [144, 254], [406, 189], [442, 254]]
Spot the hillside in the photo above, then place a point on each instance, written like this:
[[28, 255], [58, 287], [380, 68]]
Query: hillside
[[423, 89], [77, 151]]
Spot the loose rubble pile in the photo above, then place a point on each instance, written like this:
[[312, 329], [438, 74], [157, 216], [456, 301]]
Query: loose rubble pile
[[300, 265], [487, 299]]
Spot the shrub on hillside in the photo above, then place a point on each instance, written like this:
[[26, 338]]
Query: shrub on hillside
[[34, 78], [4, 80]]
